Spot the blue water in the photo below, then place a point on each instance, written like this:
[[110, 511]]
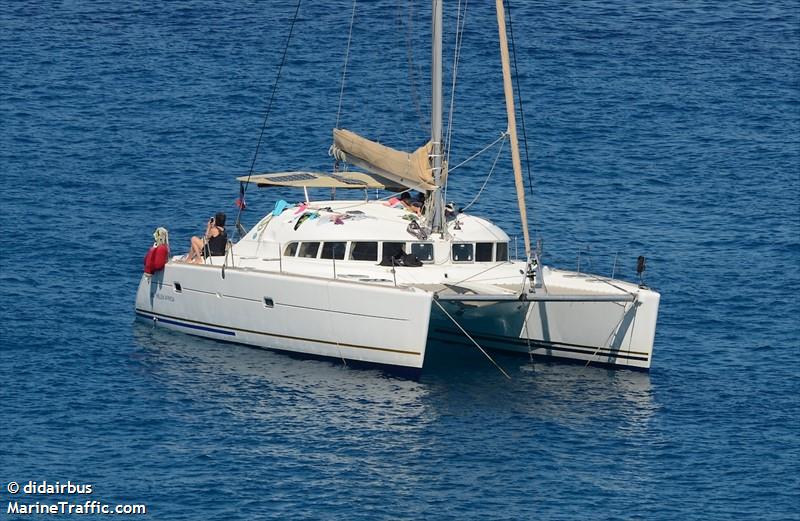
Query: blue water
[[668, 129]]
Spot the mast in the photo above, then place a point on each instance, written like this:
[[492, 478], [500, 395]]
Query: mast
[[512, 125], [437, 219]]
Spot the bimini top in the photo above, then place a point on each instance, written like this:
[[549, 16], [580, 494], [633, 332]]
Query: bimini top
[[346, 180]]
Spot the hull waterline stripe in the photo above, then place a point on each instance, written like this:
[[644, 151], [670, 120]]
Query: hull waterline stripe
[[489, 336], [539, 344], [192, 324], [569, 358], [502, 338]]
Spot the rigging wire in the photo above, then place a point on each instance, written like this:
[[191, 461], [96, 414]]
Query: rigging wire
[[346, 60], [611, 334], [436, 301], [461, 21], [266, 117], [521, 110], [503, 135], [499, 151], [412, 77]]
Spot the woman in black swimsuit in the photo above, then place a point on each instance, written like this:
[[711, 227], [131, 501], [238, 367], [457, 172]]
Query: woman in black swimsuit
[[214, 244]]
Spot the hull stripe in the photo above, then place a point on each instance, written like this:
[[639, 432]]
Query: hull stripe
[[213, 328], [522, 341], [539, 344], [187, 325]]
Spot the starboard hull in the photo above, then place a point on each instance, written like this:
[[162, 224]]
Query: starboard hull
[[618, 334]]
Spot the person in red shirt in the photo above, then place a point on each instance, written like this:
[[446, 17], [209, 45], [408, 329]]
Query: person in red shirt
[[157, 256]]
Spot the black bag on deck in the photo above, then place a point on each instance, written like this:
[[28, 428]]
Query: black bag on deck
[[401, 258], [410, 260]]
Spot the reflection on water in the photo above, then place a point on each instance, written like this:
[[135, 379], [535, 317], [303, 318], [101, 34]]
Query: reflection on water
[[311, 425], [572, 394], [260, 385], [292, 414], [204, 365], [566, 394]]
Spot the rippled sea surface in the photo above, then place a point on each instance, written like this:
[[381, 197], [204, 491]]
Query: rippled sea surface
[[667, 129]]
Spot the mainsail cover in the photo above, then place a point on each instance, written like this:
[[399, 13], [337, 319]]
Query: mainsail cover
[[412, 170]]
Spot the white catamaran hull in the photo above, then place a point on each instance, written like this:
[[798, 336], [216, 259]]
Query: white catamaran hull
[[391, 326], [314, 316], [619, 334]]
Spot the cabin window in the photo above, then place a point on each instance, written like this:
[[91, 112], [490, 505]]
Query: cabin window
[[502, 252], [423, 251], [309, 250], [364, 251], [390, 249], [484, 251], [291, 249], [462, 252], [333, 250]]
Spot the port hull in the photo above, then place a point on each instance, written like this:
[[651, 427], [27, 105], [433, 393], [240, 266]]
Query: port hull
[[307, 315]]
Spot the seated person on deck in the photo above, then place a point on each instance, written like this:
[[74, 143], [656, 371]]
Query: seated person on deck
[[405, 199], [214, 242]]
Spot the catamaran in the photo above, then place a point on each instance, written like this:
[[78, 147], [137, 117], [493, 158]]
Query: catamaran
[[383, 281]]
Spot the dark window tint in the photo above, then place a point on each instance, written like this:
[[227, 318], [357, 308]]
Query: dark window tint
[[290, 250], [333, 250], [462, 253], [390, 249], [502, 251], [423, 251], [309, 249], [364, 251], [483, 251]]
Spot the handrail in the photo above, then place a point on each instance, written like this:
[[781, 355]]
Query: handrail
[[228, 251], [536, 297]]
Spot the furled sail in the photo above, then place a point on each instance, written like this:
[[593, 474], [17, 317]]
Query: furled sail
[[412, 170]]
